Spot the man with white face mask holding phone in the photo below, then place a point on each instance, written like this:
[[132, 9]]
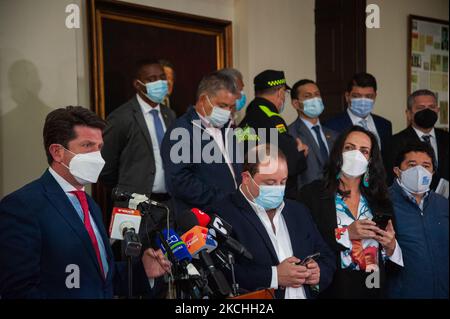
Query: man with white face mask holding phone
[[422, 227], [53, 243]]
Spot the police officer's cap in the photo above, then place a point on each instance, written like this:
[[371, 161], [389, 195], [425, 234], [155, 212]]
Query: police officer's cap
[[269, 79]]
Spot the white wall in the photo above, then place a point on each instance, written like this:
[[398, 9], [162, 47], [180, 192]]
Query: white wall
[[387, 53], [44, 65], [38, 63]]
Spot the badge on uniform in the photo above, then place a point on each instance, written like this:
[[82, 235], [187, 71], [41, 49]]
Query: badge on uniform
[[281, 128]]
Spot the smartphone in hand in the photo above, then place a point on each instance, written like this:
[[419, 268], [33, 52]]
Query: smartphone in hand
[[381, 220], [308, 259]]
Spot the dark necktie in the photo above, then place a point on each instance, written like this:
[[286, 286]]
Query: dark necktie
[[81, 195], [158, 126], [322, 146], [427, 139]]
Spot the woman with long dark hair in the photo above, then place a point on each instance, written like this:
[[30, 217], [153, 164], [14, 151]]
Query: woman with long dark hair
[[353, 212]]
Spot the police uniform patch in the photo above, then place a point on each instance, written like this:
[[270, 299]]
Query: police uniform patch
[[281, 128]]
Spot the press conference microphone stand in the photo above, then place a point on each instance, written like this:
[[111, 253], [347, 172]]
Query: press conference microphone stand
[[234, 285]]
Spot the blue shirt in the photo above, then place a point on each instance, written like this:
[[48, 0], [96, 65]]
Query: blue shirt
[[67, 188]]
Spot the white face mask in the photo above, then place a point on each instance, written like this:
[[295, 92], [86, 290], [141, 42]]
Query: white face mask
[[86, 167], [354, 163], [219, 116], [416, 180]]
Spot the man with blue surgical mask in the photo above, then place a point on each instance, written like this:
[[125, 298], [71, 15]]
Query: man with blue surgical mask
[[307, 101], [134, 135], [206, 169], [360, 97], [278, 231], [421, 218]]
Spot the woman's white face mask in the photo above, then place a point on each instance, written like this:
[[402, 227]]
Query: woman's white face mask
[[354, 163]]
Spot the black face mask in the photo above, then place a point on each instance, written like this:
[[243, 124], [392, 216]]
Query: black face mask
[[425, 118]]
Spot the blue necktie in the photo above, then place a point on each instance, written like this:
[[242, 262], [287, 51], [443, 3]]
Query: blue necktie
[[364, 124], [322, 146], [158, 126]]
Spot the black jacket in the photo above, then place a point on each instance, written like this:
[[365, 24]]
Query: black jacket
[[127, 149], [346, 284], [408, 135], [262, 113]]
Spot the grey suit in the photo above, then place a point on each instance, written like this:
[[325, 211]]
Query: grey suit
[[314, 161], [128, 151]]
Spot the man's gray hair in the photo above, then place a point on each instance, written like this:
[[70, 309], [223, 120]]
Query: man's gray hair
[[417, 93], [234, 73], [216, 81]]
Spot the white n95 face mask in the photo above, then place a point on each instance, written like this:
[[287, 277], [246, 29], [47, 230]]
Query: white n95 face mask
[[86, 167], [416, 180], [354, 163]]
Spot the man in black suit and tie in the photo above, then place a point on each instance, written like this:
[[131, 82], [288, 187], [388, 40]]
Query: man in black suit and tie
[[134, 133], [360, 96], [306, 99], [422, 114]]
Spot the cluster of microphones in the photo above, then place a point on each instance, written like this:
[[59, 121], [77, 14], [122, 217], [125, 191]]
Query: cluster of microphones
[[200, 256]]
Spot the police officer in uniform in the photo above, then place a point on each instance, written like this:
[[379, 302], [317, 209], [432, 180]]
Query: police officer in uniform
[[264, 112]]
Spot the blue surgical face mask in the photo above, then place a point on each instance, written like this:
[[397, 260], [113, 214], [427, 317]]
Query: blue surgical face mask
[[313, 107], [270, 196], [219, 116], [156, 91], [240, 103], [361, 107]]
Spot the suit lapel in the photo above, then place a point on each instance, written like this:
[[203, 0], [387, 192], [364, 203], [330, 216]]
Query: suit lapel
[[165, 116], [64, 207], [297, 239], [139, 117], [248, 213], [309, 140]]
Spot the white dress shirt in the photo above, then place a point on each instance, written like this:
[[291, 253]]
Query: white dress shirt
[[310, 126], [281, 242], [356, 120], [159, 184], [216, 134], [433, 140]]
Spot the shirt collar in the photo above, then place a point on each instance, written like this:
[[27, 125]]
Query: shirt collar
[[65, 185], [420, 133], [357, 119], [259, 209], [309, 124], [411, 196], [145, 107]]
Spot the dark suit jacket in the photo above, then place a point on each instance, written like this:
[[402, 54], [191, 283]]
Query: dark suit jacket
[[408, 135], [346, 283], [127, 149], [194, 182], [41, 234], [342, 122], [250, 232], [315, 163]]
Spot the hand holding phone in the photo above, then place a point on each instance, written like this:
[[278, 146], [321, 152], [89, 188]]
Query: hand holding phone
[[381, 220], [308, 259]]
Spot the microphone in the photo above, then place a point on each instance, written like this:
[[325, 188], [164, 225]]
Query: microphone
[[134, 199], [221, 230], [199, 243], [181, 254], [124, 226], [198, 239]]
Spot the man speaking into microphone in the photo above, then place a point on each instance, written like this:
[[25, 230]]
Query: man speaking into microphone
[[53, 243]]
